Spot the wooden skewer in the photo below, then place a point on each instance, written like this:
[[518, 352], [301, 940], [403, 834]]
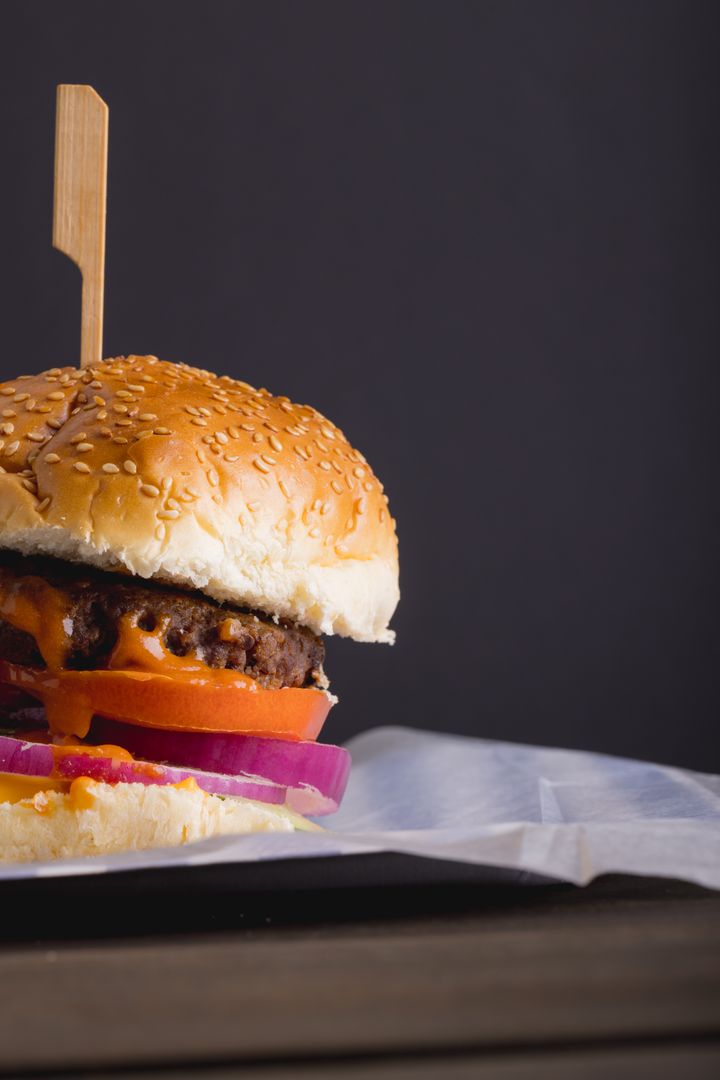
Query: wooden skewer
[[81, 144]]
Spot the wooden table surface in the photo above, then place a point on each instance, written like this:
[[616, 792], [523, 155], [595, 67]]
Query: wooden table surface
[[196, 974]]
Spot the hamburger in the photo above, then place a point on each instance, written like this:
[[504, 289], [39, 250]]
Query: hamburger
[[174, 545]]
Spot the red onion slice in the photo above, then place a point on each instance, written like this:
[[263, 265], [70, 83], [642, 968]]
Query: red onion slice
[[37, 759], [315, 774], [113, 771], [25, 758]]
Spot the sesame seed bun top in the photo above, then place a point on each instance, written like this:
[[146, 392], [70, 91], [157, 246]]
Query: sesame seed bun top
[[170, 472]]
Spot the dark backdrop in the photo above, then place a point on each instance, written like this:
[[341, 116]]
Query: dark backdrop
[[483, 238]]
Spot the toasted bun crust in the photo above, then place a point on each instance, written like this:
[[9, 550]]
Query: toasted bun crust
[[125, 817], [170, 472]]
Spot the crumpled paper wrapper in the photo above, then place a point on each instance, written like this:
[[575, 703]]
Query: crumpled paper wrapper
[[561, 814]]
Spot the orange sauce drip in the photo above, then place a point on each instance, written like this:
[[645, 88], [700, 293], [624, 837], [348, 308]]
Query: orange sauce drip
[[41, 609], [188, 784], [14, 786], [82, 793]]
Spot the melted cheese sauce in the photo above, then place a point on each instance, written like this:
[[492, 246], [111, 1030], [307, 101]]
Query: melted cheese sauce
[[14, 787], [42, 610]]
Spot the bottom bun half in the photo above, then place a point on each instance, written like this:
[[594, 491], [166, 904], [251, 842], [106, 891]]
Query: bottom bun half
[[128, 817]]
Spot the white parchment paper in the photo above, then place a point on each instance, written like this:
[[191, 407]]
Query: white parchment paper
[[561, 813]]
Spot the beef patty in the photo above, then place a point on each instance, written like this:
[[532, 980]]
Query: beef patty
[[222, 636]]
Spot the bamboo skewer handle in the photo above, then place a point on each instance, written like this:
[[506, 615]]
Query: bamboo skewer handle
[[81, 145]]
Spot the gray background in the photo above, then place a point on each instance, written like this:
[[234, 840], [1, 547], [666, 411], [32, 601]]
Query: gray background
[[483, 238]]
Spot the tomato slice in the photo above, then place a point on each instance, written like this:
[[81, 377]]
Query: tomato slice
[[222, 701]]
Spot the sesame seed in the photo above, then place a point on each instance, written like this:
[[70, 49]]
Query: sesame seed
[[300, 452], [222, 437], [268, 460], [192, 493], [275, 443], [360, 505], [106, 431], [253, 506], [7, 391], [160, 532], [208, 439], [52, 459], [192, 410], [167, 483], [56, 424], [325, 509], [147, 417], [21, 397], [321, 446], [9, 412], [99, 401], [123, 423], [43, 505], [120, 440], [136, 387], [168, 515], [78, 438], [234, 433], [198, 421], [119, 408], [382, 515], [257, 437], [173, 504], [232, 458], [44, 409], [83, 447], [327, 432], [7, 429], [367, 485], [201, 456], [283, 487], [143, 434], [359, 472], [248, 427], [80, 466], [336, 486], [102, 415], [150, 489], [96, 384], [12, 447], [125, 395], [314, 532], [57, 395], [203, 411], [37, 436], [260, 465], [163, 431], [130, 467], [350, 524], [29, 485], [108, 467], [325, 465], [336, 467]]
